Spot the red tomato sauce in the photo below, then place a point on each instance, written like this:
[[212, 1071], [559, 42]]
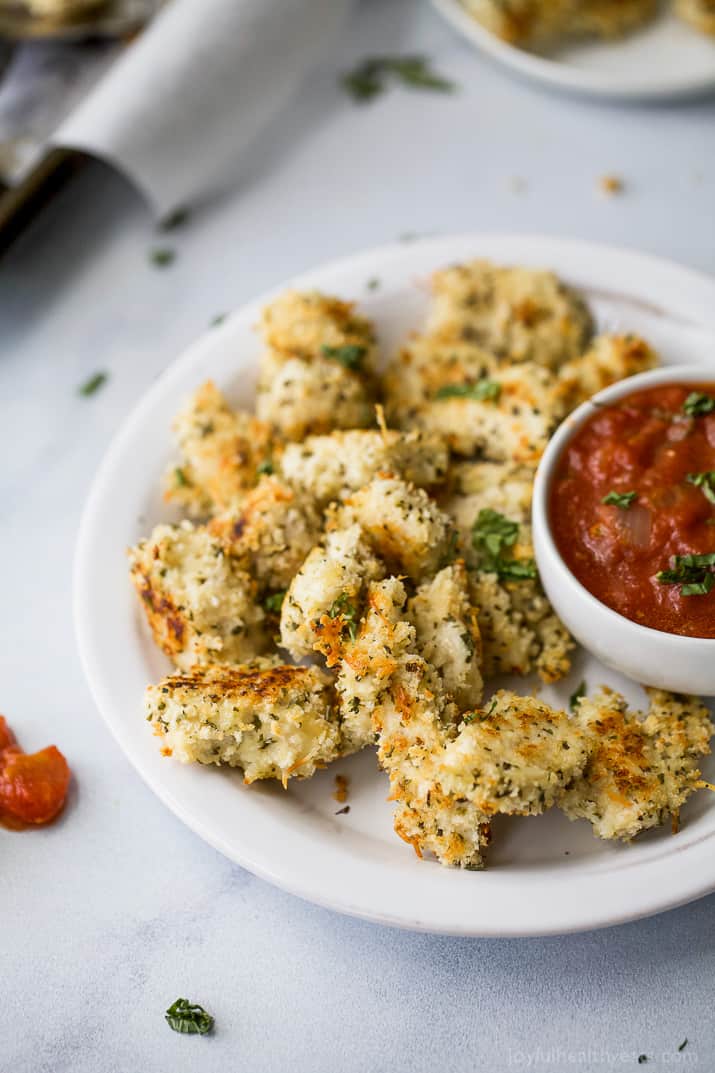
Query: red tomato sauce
[[648, 444], [33, 787]]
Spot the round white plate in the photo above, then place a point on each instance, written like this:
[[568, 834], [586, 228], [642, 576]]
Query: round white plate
[[665, 59], [545, 874]]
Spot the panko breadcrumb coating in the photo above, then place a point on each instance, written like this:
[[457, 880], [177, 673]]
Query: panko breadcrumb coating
[[448, 633], [331, 467], [403, 524], [640, 769], [221, 452], [199, 603], [322, 608], [610, 358], [518, 314], [272, 721], [699, 13], [270, 532], [317, 373]]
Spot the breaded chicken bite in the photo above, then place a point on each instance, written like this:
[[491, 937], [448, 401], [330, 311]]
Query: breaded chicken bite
[[404, 526], [699, 13], [270, 720], [317, 373], [270, 532], [368, 663], [323, 605], [507, 416], [310, 325], [426, 365], [542, 23], [298, 398], [448, 635], [221, 453], [639, 770], [331, 467], [199, 603], [518, 314], [610, 358]]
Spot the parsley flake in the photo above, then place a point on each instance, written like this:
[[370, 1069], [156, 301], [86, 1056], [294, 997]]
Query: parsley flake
[[705, 482], [180, 477], [642, 1059], [274, 602], [492, 535], [188, 1018], [219, 318], [684, 1044], [577, 696], [162, 257], [175, 219], [692, 572], [91, 386], [620, 499], [343, 608], [349, 356], [483, 390], [265, 467], [698, 403], [371, 76]]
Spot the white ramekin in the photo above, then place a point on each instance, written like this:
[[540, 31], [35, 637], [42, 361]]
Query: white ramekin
[[652, 657]]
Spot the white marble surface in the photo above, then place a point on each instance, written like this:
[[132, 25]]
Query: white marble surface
[[117, 910]]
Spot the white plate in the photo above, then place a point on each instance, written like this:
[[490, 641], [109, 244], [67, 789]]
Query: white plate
[[546, 875], [666, 59]]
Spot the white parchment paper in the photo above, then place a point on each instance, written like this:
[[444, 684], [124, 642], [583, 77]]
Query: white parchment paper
[[178, 110]]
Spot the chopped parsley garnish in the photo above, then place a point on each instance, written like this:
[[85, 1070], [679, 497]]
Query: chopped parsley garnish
[[371, 76], [343, 811], [684, 1044], [642, 1059], [698, 403], [373, 283], [349, 356], [180, 477], [274, 602], [219, 318], [162, 257], [343, 608], [694, 574], [482, 391], [175, 219], [188, 1018], [705, 482], [265, 467], [620, 499], [577, 696], [492, 535], [91, 386]]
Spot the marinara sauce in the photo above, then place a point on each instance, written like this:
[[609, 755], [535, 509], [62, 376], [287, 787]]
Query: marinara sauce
[[652, 454]]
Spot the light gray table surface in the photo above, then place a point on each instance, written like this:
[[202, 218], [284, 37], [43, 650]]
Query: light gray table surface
[[108, 916]]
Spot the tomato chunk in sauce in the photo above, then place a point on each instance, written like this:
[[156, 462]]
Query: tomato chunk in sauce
[[33, 787], [651, 454]]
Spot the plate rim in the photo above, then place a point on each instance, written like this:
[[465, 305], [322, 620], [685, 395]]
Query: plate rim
[[564, 76], [696, 308]]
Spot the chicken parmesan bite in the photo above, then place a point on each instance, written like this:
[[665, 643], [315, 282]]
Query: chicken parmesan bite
[[311, 325], [507, 417], [317, 373], [200, 604], [517, 314], [367, 665], [270, 532], [402, 524], [609, 358], [299, 398], [270, 720], [447, 633], [323, 606], [426, 366], [331, 467], [699, 13], [222, 453], [640, 770]]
